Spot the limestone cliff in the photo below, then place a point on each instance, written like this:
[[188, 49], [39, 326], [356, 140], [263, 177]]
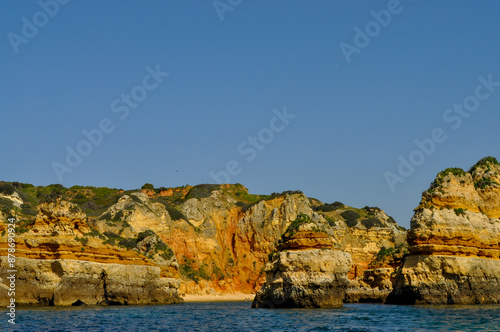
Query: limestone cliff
[[59, 262], [455, 240], [216, 238], [306, 272]]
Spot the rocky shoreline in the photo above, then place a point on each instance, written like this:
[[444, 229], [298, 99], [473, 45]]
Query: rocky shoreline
[[312, 278], [101, 246]]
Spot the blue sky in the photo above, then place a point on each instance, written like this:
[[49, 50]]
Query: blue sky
[[351, 122]]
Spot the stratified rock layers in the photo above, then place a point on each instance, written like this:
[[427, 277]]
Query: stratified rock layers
[[217, 238], [52, 267], [454, 241], [70, 282], [313, 278], [428, 279]]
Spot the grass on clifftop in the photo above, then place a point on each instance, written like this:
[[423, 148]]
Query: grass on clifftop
[[438, 181], [484, 162], [352, 217]]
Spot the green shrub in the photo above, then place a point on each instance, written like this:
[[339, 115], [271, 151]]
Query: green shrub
[[111, 241], [244, 206], [128, 243], [286, 192], [230, 261], [83, 240], [371, 210], [190, 272], [441, 175], [390, 253], [95, 233], [383, 252], [294, 226], [329, 207], [106, 216], [118, 216], [372, 222], [21, 230], [142, 235], [79, 199], [174, 213], [331, 221], [483, 183], [6, 206], [53, 196], [26, 222], [454, 170], [351, 217], [112, 235], [6, 188], [136, 199], [95, 201], [168, 254], [26, 196], [148, 186], [202, 191], [460, 211], [20, 185], [160, 245], [218, 272], [484, 162]]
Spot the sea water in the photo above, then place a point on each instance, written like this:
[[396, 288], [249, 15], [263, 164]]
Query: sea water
[[238, 316]]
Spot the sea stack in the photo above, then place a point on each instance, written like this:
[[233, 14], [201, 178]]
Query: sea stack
[[59, 262], [307, 271], [454, 240]]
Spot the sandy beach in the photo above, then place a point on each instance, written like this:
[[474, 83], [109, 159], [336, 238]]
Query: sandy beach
[[237, 297]]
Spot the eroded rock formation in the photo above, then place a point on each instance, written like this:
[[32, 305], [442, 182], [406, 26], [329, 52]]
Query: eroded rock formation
[[307, 272], [455, 240], [216, 238], [56, 265]]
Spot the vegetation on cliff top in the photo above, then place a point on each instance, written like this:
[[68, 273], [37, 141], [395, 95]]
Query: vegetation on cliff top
[[94, 201], [443, 176], [486, 161], [351, 216]]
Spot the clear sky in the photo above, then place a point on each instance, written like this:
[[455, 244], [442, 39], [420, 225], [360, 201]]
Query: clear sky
[[322, 97]]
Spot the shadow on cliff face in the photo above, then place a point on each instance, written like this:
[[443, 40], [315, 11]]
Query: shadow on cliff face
[[57, 269]]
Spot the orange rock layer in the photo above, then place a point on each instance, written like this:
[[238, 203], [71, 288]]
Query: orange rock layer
[[308, 240], [50, 250]]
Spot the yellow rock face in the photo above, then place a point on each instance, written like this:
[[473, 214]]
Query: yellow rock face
[[225, 244], [475, 191], [454, 241], [54, 236], [56, 268], [304, 240], [460, 214], [312, 278]]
